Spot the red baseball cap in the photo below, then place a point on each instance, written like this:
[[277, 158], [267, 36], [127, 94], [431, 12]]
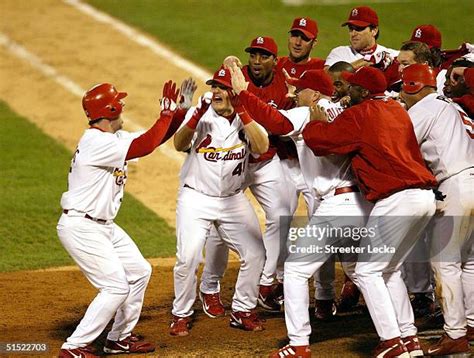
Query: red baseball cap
[[307, 26], [427, 34], [370, 78], [317, 80], [222, 77], [263, 43], [362, 16]]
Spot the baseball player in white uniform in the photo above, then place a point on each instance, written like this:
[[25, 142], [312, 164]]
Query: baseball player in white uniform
[[364, 50], [104, 252], [331, 181], [219, 138], [449, 152]]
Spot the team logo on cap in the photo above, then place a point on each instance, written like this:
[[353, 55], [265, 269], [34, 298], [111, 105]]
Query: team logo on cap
[[418, 33], [259, 40], [354, 12], [221, 73], [302, 22]]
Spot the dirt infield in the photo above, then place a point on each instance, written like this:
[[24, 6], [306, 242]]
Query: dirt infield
[[45, 306]]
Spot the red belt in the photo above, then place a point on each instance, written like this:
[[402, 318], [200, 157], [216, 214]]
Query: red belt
[[347, 189], [87, 216]]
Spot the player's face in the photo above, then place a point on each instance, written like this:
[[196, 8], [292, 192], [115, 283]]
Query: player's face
[[341, 87], [362, 38], [305, 97], [357, 94], [405, 58], [220, 100], [261, 65], [408, 99], [451, 90], [299, 46]]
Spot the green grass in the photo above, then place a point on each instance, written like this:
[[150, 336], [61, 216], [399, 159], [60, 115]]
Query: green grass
[[206, 31], [30, 190]]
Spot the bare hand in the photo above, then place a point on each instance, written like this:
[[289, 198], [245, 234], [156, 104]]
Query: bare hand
[[291, 89], [345, 101], [188, 87], [317, 113], [239, 83], [230, 60]]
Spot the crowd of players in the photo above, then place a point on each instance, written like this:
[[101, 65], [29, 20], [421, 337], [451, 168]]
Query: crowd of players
[[347, 166], [372, 137]]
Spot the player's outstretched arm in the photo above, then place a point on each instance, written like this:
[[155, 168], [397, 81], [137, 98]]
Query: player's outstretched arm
[[183, 137], [164, 127]]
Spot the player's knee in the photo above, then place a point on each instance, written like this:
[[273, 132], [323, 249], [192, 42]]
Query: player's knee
[[146, 270]]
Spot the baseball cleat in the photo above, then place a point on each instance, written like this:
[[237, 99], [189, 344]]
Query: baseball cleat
[[131, 344], [349, 297], [212, 304], [423, 304], [412, 344], [292, 352], [180, 326], [248, 321], [82, 352], [392, 348], [446, 346], [267, 300], [324, 310]]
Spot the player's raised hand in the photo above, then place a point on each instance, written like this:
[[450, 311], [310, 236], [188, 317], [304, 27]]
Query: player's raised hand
[[170, 96], [202, 107], [291, 89], [239, 83], [188, 87], [318, 113], [230, 60]]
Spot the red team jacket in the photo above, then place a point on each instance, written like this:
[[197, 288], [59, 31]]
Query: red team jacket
[[275, 95], [297, 69], [379, 136]]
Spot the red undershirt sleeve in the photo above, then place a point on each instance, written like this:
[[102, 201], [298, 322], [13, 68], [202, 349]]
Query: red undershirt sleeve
[[270, 118], [339, 137], [165, 126]]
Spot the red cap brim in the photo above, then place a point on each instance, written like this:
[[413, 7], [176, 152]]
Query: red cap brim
[[305, 32], [357, 23], [347, 76], [248, 49], [221, 82]]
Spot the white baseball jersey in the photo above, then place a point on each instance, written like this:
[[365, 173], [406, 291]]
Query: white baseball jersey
[[218, 158], [348, 54], [440, 131], [97, 175], [322, 174]]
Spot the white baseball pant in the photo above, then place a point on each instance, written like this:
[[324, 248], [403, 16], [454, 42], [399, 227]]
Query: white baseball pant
[[452, 248], [344, 210], [113, 264], [237, 225], [272, 193], [399, 221]]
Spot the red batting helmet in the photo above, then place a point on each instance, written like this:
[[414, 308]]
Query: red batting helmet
[[417, 76], [103, 101]]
